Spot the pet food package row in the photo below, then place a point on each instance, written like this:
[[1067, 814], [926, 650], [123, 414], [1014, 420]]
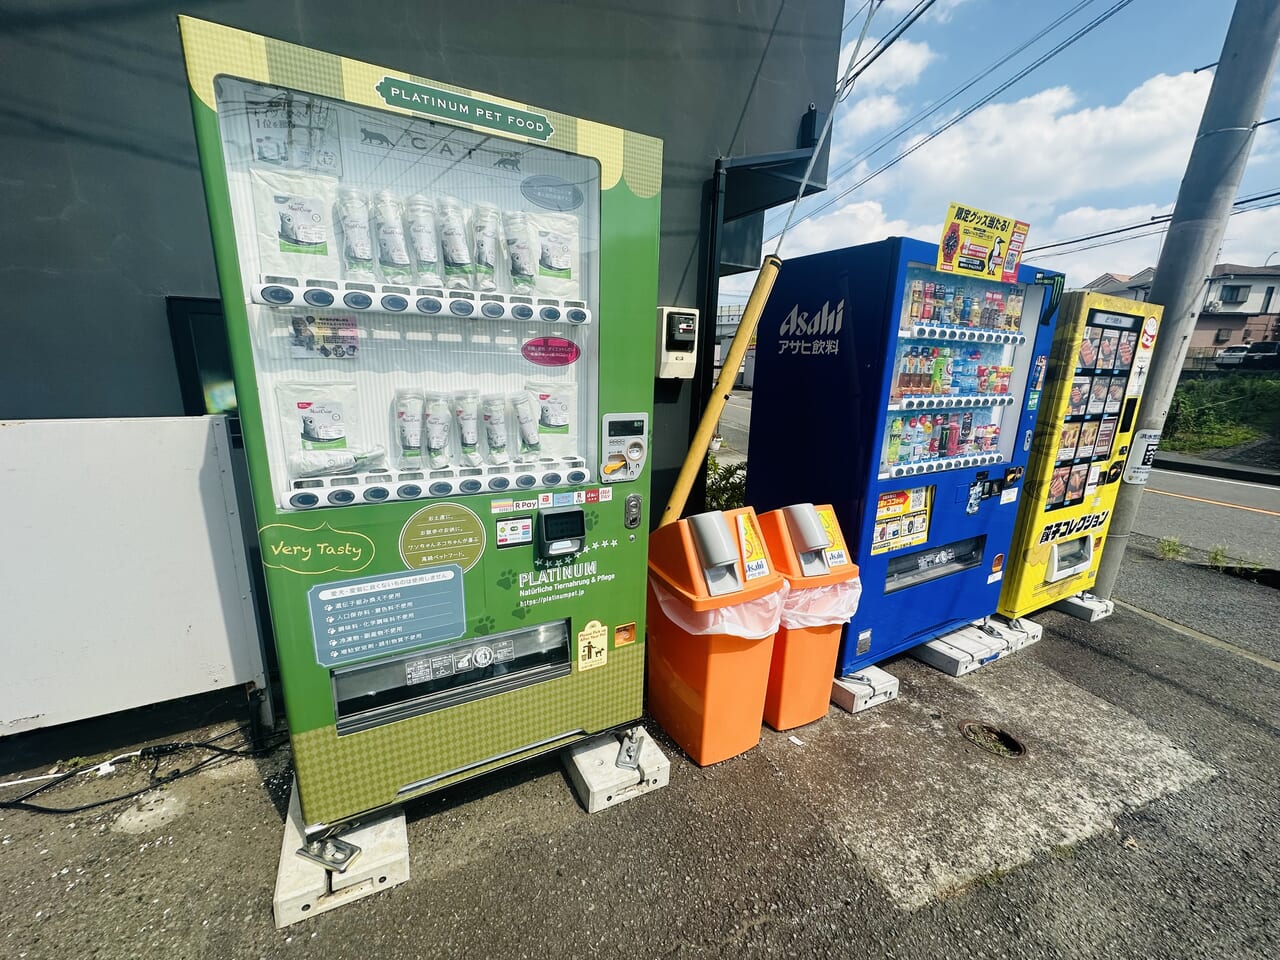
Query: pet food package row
[[310, 227], [467, 428]]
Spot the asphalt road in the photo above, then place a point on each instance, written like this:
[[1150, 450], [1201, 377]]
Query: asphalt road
[[1208, 512], [1143, 823]]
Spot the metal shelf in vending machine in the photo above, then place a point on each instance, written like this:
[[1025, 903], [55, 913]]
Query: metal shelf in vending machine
[[906, 398], [435, 302]]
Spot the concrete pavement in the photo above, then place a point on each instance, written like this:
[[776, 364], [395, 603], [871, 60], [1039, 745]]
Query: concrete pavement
[[1142, 823]]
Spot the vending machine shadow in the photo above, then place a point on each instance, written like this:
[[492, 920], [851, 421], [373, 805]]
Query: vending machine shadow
[[440, 307], [906, 398]]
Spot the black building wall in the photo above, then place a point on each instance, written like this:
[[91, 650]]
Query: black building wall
[[99, 183]]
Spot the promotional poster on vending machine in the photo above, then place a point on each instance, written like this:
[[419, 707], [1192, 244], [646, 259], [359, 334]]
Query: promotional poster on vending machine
[[1101, 355], [905, 395], [440, 307]]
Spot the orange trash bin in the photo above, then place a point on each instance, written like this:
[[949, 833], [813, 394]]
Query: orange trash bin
[[808, 549], [713, 607]]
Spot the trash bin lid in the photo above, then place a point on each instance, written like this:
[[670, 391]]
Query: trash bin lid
[[674, 560], [786, 555]]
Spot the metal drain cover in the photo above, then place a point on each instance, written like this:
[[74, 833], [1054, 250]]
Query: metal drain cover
[[992, 739]]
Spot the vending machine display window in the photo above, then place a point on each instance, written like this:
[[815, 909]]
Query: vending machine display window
[[1095, 403], [953, 389], [406, 272]]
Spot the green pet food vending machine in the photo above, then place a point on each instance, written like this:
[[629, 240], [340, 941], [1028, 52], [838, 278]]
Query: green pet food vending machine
[[440, 307]]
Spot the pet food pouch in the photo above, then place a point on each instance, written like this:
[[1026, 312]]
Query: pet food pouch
[[522, 255], [494, 411], [424, 243], [317, 416], [485, 227], [292, 214], [438, 422], [527, 423], [556, 405], [393, 251], [409, 408], [357, 242], [558, 255], [466, 411], [326, 463], [451, 219]]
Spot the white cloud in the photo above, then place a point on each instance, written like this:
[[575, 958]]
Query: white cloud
[[854, 223], [1026, 157], [870, 113], [899, 66]]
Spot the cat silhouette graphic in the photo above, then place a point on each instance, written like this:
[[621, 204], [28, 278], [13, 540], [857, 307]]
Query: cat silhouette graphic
[[509, 163], [372, 136]]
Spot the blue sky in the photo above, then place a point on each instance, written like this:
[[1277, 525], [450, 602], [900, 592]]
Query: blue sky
[[1096, 138]]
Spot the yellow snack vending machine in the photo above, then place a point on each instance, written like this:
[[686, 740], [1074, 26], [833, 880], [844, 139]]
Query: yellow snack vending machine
[[1095, 377]]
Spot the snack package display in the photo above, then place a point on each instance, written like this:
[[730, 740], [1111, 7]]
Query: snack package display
[[466, 411], [438, 421], [485, 229], [319, 416], [527, 424], [292, 214], [494, 410], [522, 250], [451, 220], [424, 243], [357, 242], [558, 255], [393, 251], [408, 413]]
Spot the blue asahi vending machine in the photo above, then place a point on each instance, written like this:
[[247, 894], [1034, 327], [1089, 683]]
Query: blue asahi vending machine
[[906, 398]]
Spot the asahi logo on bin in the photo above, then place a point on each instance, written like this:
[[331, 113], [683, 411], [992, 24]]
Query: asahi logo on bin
[[825, 322], [458, 108]]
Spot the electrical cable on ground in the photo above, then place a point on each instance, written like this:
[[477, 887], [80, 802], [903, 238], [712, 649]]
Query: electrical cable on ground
[[155, 753]]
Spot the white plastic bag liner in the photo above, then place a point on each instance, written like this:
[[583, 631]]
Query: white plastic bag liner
[[822, 606], [751, 619]]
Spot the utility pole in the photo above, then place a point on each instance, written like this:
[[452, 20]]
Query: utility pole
[[1199, 220]]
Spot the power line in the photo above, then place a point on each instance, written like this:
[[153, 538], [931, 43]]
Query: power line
[[928, 111], [1161, 218], [1045, 58], [854, 17], [1150, 233], [845, 87]]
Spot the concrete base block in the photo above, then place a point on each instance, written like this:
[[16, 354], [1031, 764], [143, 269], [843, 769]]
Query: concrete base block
[[973, 646], [866, 687], [600, 783], [304, 888], [961, 651], [1085, 606], [1017, 633]]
